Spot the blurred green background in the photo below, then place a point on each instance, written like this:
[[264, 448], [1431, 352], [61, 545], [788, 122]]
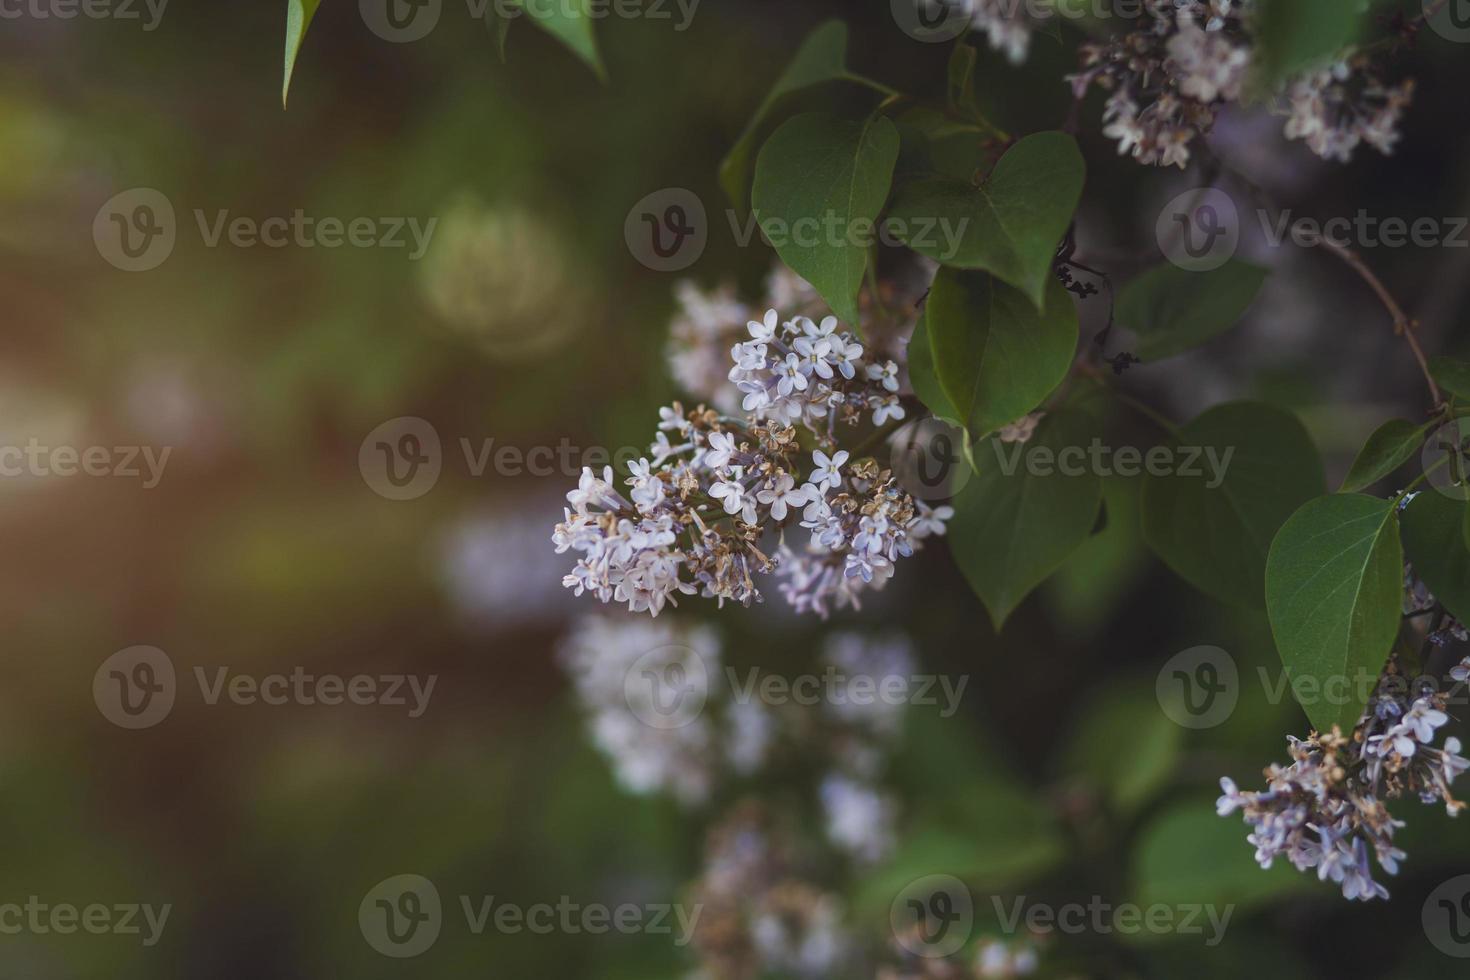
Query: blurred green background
[[263, 549]]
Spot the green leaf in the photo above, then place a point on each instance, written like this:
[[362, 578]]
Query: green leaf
[[1124, 746], [836, 172], [923, 378], [1188, 856], [570, 22], [995, 355], [1020, 518], [1237, 473], [1389, 447], [298, 18], [1010, 225], [1293, 35], [1434, 541], [1334, 594], [1452, 375], [1172, 309], [821, 58], [499, 24], [1090, 585]]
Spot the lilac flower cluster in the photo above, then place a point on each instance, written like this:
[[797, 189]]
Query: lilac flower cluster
[[1325, 810], [693, 516], [709, 322], [1169, 79]]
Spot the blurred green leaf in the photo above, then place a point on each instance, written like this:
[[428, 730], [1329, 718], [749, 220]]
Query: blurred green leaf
[[1124, 745], [1012, 530], [1334, 593], [1389, 447], [570, 22], [1434, 541], [995, 355], [1253, 464], [299, 14], [1189, 856], [1010, 225], [1294, 35], [835, 172], [821, 58], [1172, 310], [1091, 583]]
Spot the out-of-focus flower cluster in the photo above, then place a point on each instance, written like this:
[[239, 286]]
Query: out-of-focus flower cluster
[[1326, 811], [694, 514], [764, 912], [610, 663], [1169, 79]]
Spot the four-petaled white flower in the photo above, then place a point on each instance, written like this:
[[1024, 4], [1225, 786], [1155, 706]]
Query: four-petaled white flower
[[793, 376], [828, 471], [886, 373], [764, 330]]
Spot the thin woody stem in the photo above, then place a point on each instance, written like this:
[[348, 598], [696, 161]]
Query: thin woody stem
[[1402, 323]]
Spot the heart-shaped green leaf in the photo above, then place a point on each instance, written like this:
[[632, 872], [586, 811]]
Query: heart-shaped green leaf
[[1388, 448], [821, 58], [298, 18], [1334, 594], [1236, 474], [1023, 514], [1172, 309], [820, 180], [1434, 542], [1010, 225], [995, 355], [1452, 375]]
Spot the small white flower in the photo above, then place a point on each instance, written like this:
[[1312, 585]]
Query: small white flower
[[792, 373], [828, 471], [764, 330], [885, 409], [887, 374], [721, 448], [731, 493], [781, 494]]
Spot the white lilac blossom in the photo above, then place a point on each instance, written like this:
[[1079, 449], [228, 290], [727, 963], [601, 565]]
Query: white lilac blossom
[[1326, 811], [861, 820], [865, 662], [996, 959], [709, 322], [1007, 24], [691, 519], [686, 760], [760, 917], [1168, 80]]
